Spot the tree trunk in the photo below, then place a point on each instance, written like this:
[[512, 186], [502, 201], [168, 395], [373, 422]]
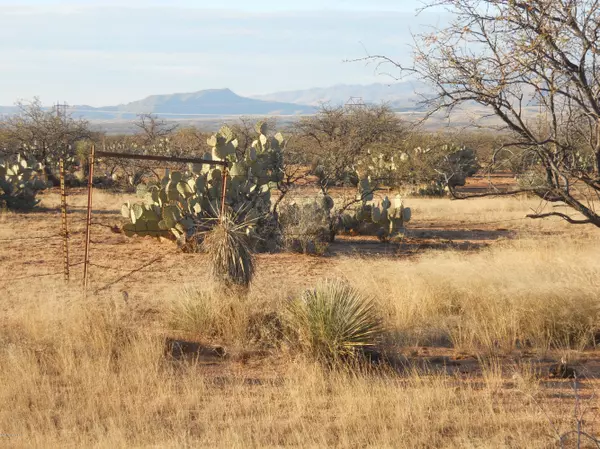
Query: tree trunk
[[332, 229]]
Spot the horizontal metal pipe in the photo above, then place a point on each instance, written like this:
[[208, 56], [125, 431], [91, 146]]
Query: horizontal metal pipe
[[147, 157]]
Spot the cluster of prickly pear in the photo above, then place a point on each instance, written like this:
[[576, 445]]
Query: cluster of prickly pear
[[378, 166], [184, 201], [445, 165], [20, 182], [383, 220]]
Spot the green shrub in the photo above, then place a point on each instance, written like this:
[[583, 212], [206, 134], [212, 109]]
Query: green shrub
[[334, 322]]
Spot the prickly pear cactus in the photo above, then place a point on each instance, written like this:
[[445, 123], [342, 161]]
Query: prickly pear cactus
[[433, 171], [385, 220], [183, 203], [19, 183]]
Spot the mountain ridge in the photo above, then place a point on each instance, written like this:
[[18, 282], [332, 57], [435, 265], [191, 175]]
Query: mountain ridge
[[399, 95], [190, 104], [225, 102]]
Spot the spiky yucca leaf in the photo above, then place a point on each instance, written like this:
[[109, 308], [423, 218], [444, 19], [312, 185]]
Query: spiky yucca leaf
[[335, 321], [231, 257]]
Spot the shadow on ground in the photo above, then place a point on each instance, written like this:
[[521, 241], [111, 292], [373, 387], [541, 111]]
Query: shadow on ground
[[417, 240]]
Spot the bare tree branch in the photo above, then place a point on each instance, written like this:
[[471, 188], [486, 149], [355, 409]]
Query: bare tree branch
[[535, 66], [561, 215]]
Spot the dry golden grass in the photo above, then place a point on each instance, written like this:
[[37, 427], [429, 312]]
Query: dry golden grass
[[93, 372], [542, 293], [84, 375], [503, 212]]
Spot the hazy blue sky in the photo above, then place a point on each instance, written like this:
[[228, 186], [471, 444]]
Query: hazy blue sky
[[106, 52]]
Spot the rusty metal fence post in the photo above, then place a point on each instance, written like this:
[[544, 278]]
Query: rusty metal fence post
[[223, 192], [118, 155], [63, 212], [88, 226]]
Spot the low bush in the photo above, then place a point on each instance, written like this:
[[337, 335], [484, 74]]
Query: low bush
[[305, 228], [334, 322]]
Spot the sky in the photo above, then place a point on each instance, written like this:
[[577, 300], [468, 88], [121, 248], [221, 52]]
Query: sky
[[104, 52]]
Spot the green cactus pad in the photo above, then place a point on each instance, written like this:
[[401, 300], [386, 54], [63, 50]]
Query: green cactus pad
[[261, 128], [406, 214], [376, 214], [176, 177], [125, 210]]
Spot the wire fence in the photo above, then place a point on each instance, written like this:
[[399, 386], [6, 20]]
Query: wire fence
[[75, 244], [118, 273], [76, 250]]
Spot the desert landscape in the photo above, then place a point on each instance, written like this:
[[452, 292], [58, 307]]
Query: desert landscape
[[479, 305], [311, 224]]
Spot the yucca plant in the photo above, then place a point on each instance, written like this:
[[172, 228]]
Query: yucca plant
[[335, 322], [231, 256]]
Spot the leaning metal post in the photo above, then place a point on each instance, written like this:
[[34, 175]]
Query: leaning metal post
[[63, 212], [110, 154], [223, 192], [86, 260]]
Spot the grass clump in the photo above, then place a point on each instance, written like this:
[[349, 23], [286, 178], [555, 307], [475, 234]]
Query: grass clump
[[231, 256], [335, 322], [209, 312], [525, 294]]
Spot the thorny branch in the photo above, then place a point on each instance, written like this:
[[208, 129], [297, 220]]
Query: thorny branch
[[535, 66]]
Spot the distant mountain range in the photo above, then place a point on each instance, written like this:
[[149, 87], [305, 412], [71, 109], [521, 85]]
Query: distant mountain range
[[224, 102], [211, 102], [400, 96]]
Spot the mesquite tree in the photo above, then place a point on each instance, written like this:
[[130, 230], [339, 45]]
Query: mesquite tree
[[44, 135], [535, 65], [350, 146]]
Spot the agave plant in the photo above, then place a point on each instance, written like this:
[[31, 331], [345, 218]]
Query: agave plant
[[228, 247], [335, 322]]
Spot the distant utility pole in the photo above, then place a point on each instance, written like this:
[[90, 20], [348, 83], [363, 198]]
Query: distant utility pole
[[355, 102], [61, 110]]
